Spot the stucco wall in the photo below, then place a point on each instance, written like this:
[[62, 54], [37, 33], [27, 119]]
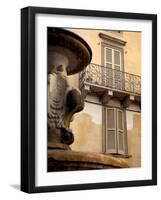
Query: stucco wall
[[132, 49], [134, 138], [87, 128], [132, 52], [93, 39]]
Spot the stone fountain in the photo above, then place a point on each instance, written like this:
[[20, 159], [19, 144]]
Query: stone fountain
[[68, 54]]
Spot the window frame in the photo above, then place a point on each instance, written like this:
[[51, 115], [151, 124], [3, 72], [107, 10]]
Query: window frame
[[110, 45], [110, 129], [113, 59], [118, 130], [117, 48], [105, 135]]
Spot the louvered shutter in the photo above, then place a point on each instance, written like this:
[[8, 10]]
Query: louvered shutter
[[110, 128], [120, 132], [117, 58], [108, 55], [108, 72], [117, 66]]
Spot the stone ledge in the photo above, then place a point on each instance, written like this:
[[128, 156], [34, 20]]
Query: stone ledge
[[66, 160]]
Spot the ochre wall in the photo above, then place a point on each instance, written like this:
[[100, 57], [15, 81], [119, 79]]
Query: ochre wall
[[132, 52], [93, 39], [132, 49], [134, 139], [87, 129]]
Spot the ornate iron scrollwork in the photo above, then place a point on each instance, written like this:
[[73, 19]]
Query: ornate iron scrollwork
[[110, 78]]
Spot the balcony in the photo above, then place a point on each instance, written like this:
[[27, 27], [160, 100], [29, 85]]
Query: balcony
[[99, 80]]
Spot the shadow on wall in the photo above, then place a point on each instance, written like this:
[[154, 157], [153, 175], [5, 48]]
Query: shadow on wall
[[87, 134], [88, 137], [134, 142]]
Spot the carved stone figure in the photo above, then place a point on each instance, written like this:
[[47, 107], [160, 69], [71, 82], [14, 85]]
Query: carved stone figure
[[63, 102], [68, 54]]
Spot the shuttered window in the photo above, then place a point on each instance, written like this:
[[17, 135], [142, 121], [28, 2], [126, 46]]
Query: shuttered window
[[111, 130], [113, 68], [120, 132], [115, 130], [112, 58]]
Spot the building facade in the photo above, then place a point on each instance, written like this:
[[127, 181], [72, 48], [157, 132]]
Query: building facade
[[110, 122]]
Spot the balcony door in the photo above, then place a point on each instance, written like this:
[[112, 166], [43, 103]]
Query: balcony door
[[113, 75]]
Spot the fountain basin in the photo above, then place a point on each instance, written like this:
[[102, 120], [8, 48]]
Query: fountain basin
[[68, 160], [68, 49]]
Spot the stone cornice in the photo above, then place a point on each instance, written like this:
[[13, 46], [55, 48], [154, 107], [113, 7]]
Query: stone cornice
[[112, 39]]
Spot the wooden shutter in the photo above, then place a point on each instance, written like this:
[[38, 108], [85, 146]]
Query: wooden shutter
[[108, 65], [110, 129], [108, 55], [117, 59], [117, 66], [112, 60], [120, 132]]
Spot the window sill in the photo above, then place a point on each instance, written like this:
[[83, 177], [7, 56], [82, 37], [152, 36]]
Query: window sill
[[119, 155]]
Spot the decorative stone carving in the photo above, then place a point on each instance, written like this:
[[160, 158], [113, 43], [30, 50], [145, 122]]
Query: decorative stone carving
[[63, 102], [67, 54]]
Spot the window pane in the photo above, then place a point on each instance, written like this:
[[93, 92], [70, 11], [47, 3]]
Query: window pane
[[111, 140], [116, 57], [110, 118], [108, 55]]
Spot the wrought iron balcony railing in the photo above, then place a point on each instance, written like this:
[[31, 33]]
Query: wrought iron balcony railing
[[111, 78]]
